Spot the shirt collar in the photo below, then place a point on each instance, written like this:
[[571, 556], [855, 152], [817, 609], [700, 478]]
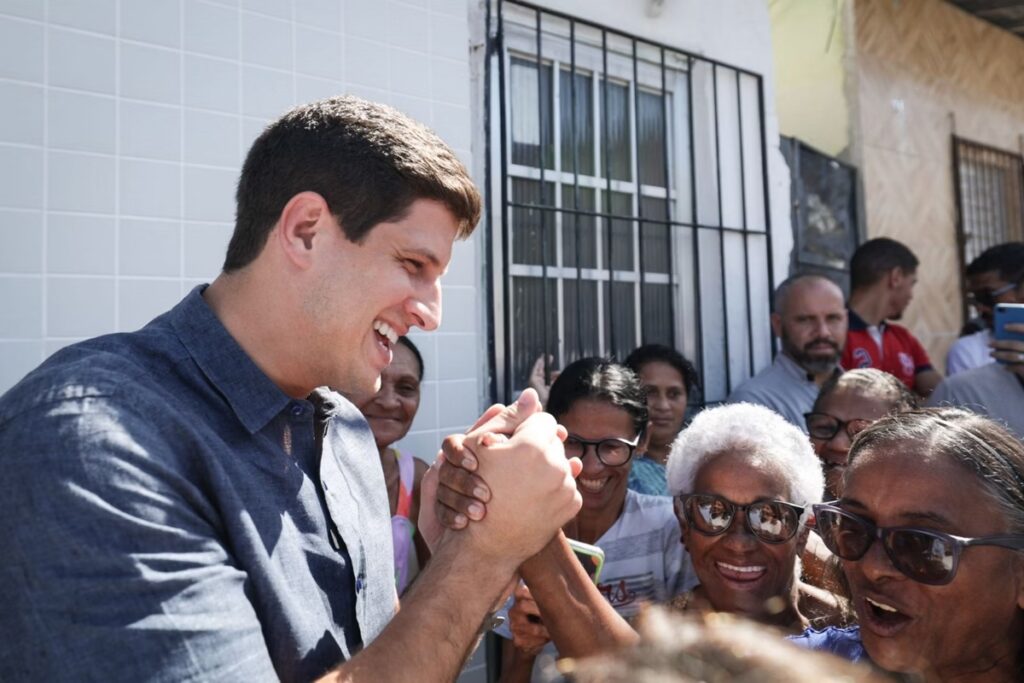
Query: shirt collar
[[855, 322], [253, 397]]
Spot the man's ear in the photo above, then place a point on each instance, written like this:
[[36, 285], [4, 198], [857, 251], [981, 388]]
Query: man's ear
[[305, 215], [896, 276], [645, 439], [1019, 576], [776, 320]]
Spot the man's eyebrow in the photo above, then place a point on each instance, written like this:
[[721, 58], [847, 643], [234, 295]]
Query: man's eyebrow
[[425, 254], [927, 517]]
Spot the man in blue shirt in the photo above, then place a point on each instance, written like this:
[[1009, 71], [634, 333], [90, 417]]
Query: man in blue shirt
[[184, 502]]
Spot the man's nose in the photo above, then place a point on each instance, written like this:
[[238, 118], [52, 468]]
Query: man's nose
[[426, 309]]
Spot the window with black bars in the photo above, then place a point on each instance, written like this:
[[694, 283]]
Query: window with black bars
[[628, 201], [989, 198]]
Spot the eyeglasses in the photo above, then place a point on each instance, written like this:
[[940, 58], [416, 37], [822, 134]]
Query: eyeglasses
[[611, 452], [987, 297], [823, 426], [929, 557], [771, 521]]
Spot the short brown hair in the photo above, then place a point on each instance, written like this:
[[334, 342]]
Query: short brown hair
[[367, 160]]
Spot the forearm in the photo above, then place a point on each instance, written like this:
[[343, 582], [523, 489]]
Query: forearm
[[439, 621], [581, 622]]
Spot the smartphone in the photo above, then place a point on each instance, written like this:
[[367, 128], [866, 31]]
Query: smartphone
[[590, 556], [1008, 313]]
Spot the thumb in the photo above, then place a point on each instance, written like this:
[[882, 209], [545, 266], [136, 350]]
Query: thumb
[[508, 419]]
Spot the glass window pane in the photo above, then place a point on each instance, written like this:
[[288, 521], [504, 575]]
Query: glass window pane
[[651, 139], [583, 225], [533, 231], [657, 316], [621, 204], [577, 123], [620, 313], [654, 237], [616, 131], [535, 328], [531, 125], [580, 306]]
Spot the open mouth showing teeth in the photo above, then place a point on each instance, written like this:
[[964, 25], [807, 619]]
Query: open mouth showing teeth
[[885, 614], [384, 330], [592, 485], [740, 572]]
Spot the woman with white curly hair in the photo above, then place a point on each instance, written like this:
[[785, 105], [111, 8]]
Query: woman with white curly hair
[[744, 480]]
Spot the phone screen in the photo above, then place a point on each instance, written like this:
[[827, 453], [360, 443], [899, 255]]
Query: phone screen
[[590, 556]]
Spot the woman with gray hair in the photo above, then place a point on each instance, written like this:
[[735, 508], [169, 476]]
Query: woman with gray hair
[[744, 480]]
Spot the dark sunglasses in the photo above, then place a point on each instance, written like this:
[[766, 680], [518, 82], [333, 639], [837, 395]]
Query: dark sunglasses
[[823, 426], [611, 452], [929, 557], [987, 297], [771, 521]]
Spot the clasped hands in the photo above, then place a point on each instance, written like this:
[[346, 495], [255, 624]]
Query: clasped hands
[[505, 486]]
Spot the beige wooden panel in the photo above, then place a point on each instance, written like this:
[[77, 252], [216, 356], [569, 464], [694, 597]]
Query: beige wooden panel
[[924, 69]]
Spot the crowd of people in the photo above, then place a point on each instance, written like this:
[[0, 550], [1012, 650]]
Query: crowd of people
[[219, 496]]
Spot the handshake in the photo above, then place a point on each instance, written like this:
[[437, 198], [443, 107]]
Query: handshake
[[504, 489]]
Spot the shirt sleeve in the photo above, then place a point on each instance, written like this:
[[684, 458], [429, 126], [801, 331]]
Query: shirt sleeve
[[114, 567], [921, 360]]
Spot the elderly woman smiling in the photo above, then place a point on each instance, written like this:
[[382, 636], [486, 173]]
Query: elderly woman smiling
[[744, 480], [929, 530]]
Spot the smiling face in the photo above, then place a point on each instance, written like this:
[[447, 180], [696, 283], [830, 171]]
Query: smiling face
[[391, 410], [666, 400], [603, 488], [965, 626], [845, 404], [738, 572], [362, 297]]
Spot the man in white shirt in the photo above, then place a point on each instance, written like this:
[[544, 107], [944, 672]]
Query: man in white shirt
[[810, 320], [995, 277]]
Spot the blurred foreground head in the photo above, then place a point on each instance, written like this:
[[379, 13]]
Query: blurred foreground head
[[715, 648]]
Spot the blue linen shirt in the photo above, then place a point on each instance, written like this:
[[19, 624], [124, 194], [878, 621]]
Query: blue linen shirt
[[169, 514]]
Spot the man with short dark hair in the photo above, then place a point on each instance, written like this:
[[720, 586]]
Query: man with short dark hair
[[883, 273], [184, 502], [995, 277], [810, 321]]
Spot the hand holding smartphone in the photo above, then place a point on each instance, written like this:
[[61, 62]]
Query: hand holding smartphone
[[590, 556], [1007, 340]]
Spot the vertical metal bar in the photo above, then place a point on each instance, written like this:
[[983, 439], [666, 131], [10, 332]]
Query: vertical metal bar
[[488, 236], [743, 209], [970, 194], [506, 227], [608, 192], [639, 192], [721, 233], [960, 228], [546, 333], [698, 310], [766, 201], [669, 229], [576, 189]]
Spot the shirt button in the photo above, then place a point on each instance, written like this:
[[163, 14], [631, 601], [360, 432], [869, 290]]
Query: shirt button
[[297, 409]]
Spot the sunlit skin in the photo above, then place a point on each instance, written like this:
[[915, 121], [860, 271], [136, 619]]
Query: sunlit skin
[[968, 630], [739, 573], [845, 404], [666, 403], [603, 488], [403, 261], [901, 293]]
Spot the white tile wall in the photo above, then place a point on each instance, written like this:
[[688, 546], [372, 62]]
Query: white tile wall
[[124, 124]]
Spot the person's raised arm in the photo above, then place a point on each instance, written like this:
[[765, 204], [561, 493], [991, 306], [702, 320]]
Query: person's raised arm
[[533, 494], [581, 622]]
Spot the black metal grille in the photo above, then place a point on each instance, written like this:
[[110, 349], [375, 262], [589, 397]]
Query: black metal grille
[[630, 200], [989, 199]]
